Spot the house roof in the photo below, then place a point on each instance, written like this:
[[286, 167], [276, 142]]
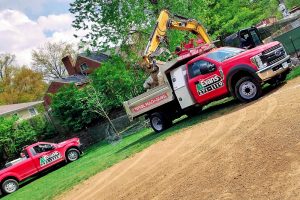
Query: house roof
[[77, 79], [99, 57], [6, 109]]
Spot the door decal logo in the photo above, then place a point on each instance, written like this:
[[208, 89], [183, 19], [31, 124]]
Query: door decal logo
[[209, 84], [47, 159]]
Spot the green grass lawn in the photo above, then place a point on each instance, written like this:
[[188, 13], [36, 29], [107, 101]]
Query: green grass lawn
[[294, 73], [103, 155]]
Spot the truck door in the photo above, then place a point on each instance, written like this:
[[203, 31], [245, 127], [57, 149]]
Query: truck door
[[26, 167], [46, 155], [206, 80]]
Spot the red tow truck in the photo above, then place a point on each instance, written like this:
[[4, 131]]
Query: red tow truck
[[36, 158]]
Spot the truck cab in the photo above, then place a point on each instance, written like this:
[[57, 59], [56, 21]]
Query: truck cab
[[246, 38]]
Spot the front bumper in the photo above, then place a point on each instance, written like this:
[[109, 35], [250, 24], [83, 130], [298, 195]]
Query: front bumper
[[275, 69], [80, 147]]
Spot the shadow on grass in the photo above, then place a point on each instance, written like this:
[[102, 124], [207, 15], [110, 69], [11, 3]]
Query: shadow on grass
[[37, 176], [212, 111]]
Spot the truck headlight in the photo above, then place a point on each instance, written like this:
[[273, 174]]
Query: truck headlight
[[256, 60]]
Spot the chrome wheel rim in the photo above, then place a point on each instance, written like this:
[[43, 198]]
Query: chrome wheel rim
[[247, 90], [10, 187], [72, 155], [157, 123]]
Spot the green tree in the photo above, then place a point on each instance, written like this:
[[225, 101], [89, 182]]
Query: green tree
[[68, 107], [109, 86], [21, 85], [24, 134], [117, 83], [6, 133], [43, 128], [113, 22], [14, 135], [291, 3]]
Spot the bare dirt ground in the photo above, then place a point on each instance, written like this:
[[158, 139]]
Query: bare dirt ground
[[252, 152]]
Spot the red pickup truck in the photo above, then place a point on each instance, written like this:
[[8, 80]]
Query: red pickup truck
[[36, 158], [196, 79]]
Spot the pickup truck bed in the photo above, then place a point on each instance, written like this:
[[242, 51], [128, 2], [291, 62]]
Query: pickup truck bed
[[149, 100]]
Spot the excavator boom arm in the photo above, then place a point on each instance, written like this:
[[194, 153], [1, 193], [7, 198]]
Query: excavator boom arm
[[164, 22]]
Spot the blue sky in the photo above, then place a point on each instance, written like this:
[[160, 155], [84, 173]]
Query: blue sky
[[26, 25], [36, 8]]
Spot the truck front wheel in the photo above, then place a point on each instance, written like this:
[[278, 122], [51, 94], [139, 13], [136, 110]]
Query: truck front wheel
[[72, 155], [10, 186], [247, 89], [159, 122]]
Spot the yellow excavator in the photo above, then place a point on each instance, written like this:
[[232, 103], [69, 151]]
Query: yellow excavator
[[165, 22]]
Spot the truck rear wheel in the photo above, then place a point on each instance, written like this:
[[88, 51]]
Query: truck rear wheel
[[9, 186], [247, 89], [159, 122]]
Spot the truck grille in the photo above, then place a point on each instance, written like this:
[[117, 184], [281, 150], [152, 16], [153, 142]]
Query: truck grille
[[271, 49], [276, 60], [273, 55]]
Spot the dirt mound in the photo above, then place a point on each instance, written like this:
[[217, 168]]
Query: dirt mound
[[250, 153]]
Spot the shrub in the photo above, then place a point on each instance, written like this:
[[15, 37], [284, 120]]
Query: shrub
[[43, 127], [117, 83], [70, 109], [14, 135]]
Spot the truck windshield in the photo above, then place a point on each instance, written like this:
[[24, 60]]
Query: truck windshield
[[224, 53]]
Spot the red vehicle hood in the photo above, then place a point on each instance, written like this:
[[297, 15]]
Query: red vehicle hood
[[246, 54], [73, 140], [250, 53]]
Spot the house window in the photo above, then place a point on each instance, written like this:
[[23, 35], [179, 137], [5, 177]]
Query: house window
[[32, 111], [84, 67]]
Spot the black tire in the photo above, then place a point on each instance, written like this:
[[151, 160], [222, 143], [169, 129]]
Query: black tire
[[247, 89], [282, 77], [9, 186], [72, 155], [159, 122]]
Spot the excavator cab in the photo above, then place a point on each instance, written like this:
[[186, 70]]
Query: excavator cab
[[246, 39]]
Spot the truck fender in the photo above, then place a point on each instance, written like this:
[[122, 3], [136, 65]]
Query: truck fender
[[9, 175], [71, 146], [238, 71]]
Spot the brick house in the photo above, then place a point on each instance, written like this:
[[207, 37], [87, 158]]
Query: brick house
[[77, 71]]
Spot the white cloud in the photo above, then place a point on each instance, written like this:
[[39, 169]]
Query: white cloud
[[60, 22], [20, 35]]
